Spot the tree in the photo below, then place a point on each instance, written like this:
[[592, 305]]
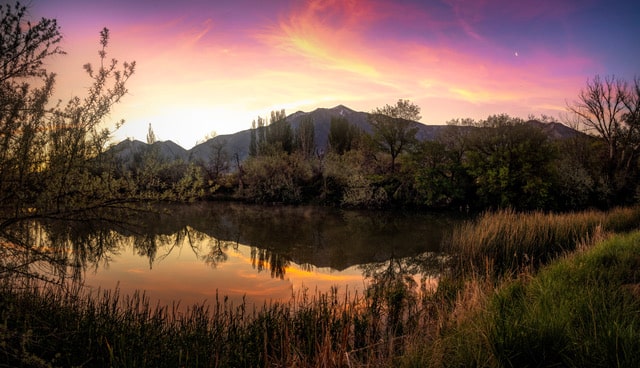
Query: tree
[[342, 135], [510, 162], [305, 137], [253, 140], [151, 136], [276, 178], [51, 157], [610, 108], [435, 175], [394, 129], [219, 159], [279, 135]]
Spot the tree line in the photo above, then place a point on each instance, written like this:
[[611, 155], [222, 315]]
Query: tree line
[[497, 162]]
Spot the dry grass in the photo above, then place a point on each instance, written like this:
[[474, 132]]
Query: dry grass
[[506, 243]]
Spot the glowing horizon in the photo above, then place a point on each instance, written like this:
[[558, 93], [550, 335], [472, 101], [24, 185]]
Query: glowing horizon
[[204, 67]]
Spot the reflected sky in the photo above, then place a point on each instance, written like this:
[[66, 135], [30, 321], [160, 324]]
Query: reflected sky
[[182, 273], [193, 252]]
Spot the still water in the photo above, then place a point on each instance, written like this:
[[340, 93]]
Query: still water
[[192, 252]]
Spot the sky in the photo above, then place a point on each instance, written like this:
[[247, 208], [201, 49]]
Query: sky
[[206, 67]]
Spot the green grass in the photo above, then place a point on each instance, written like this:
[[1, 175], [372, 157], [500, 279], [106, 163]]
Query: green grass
[[581, 311]]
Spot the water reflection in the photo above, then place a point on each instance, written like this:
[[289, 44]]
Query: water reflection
[[190, 252]]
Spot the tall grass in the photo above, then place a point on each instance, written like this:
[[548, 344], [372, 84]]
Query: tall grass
[[50, 327], [506, 242]]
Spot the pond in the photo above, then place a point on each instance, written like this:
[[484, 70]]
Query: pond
[[193, 252]]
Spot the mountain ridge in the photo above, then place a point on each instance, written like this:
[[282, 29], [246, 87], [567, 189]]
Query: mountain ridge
[[237, 144]]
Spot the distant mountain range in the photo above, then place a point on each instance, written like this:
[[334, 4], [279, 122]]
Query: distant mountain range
[[237, 144]]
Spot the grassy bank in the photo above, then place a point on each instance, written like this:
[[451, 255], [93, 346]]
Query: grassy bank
[[581, 311], [521, 289]]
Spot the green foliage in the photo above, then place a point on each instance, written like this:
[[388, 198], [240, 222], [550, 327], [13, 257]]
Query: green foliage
[[278, 178], [511, 163], [191, 186], [436, 176], [393, 128], [350, 180]]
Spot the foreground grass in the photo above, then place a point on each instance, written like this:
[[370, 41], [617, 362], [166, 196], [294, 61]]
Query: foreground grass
[[581, 311], [46, 327]]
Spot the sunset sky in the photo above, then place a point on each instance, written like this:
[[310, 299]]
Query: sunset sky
[[206, 66]]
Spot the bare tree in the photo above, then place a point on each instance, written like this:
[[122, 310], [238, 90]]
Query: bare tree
[[609, 108]]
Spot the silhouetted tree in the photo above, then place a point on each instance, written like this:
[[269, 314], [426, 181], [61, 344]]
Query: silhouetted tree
[[151, 136], [253, 140], [305, 137], [219, 158], [393, 128], [279, 134], [342, 135], [610, 108]]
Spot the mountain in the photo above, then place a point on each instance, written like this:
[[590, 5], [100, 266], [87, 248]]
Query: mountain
[[237, 144], [555, 130], [322, 122], [129, 150]]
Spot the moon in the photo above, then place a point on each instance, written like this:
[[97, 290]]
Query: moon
[[515, 53]]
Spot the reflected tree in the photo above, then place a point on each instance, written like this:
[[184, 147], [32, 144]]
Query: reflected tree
[[262, 259], [217, 253], [393, 290]]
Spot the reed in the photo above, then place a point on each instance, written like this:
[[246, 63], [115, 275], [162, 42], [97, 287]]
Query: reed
[[51, 326], [506, 243]]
